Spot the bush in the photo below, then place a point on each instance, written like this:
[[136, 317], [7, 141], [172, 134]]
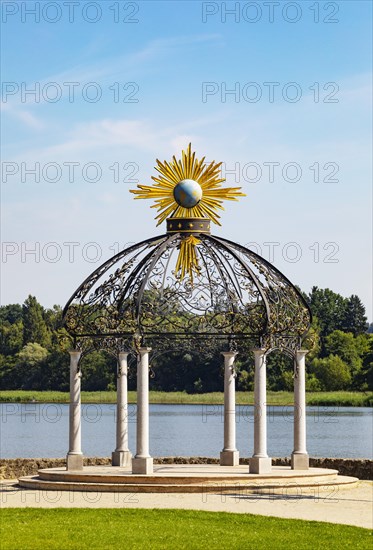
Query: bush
[[312, 383], [287, 380], [332, 373]]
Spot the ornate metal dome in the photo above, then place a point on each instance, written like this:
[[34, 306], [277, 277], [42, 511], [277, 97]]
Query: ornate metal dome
[[187, 285], [137, 296]]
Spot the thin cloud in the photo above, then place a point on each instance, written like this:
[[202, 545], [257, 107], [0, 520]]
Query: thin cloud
[[102, 72], [100, 136]]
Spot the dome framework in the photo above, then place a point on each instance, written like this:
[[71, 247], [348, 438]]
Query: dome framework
[[136, 299]]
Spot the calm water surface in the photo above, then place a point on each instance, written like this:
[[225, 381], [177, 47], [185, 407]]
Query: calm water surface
[[41, 430]]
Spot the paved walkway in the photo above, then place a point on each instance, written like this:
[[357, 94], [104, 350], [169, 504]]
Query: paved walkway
[[346, 505]]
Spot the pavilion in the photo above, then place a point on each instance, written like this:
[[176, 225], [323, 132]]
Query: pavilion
[[187, 289]]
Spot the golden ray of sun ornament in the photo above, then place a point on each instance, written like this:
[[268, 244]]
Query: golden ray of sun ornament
[[185, 189]]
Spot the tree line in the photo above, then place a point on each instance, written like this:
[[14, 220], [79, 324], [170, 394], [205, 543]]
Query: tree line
[[340, 355]]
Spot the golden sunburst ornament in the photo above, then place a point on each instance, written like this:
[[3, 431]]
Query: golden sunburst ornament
[[187, 189]]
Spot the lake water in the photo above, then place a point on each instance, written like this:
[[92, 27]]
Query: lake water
[[41, 430]]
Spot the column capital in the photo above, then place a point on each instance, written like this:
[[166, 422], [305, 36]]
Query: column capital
[[144, 350], [75, 353], [229, 353], [259, 352], [301, 353], [123, 354]]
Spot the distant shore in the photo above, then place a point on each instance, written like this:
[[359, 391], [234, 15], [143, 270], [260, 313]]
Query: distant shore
[[281, 398]]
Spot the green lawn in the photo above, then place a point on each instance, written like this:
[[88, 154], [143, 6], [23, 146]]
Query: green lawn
[[101, 529], [341, 398]]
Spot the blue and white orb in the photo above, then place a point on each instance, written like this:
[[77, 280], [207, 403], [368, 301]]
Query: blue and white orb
[[187, 193]]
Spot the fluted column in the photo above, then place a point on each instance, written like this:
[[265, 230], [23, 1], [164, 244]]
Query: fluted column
[[260, 463], [74, 459], [299, 457], [143, 462], [229, 456], [122, 456]]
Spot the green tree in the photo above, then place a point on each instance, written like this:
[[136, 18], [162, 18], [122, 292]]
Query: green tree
[[32, 354], [8, 379], [55, 371], [28, 368], [98, 371], [362, 343], [245, 380], [188, 371], [11, 337], [365, 377], [329, 308], [280, 369], [355, 320], [53, 317], [332, 372], [34, 326], [343, 345], [11, 313], [53, 320]]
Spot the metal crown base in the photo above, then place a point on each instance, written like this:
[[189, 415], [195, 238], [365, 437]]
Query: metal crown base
[[188, 225]]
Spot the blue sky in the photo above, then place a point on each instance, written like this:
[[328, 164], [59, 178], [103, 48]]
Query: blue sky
[[318, 231]]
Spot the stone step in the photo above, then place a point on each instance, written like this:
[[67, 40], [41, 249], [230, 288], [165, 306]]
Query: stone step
[[273, 486], [159, 479]]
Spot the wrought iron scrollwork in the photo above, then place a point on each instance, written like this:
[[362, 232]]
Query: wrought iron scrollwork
[[136, 299]]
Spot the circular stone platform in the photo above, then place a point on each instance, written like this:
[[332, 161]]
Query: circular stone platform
[[184, 478]]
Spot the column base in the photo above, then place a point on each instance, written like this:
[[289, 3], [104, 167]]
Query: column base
[[142, 465], [300, 461], [229, 458], [260, 465], [74, 461], [121, 458]]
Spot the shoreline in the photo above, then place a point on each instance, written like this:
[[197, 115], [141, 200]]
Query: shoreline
[[274, 399]]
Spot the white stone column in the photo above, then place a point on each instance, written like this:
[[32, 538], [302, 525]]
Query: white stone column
[[143, 462], [229, 456], [74, 459], [299, 457], [122, 456], [260, 463]]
